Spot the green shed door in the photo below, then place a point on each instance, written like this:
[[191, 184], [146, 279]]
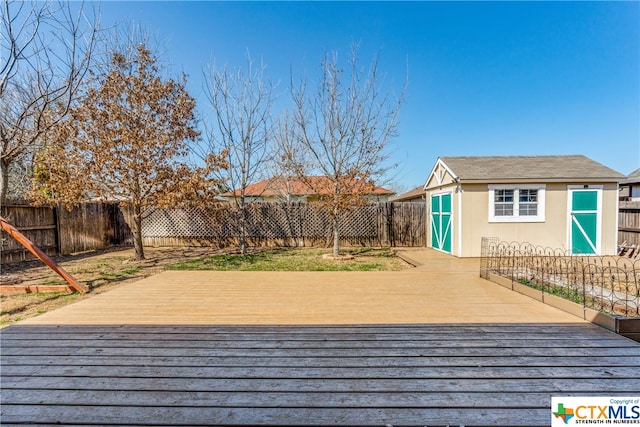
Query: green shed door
[[441, 222], [584, 221]]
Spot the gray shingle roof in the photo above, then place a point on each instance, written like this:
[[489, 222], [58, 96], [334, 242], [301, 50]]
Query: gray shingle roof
[[411, 194], [632, 178], [540, 168]]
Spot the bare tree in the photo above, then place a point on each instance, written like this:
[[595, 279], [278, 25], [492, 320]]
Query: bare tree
[[20, 173], [288, 160], [47, 49], [346, 125], [127, 141], [242, 128]]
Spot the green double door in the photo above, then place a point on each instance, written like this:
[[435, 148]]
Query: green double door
[[441, 222], [584, 217]]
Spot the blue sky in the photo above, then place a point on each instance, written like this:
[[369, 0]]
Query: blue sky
[[485, 78]]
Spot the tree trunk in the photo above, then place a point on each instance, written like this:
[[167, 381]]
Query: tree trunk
[[4, 181], [243, 229], [137, 232], [336, 233]]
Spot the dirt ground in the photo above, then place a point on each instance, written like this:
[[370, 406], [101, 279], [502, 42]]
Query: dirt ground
[[101, 270]]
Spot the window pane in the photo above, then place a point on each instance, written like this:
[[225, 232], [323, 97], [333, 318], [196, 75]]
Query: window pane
[[503, 209], [528, 202], [504, 196], [503, 202], [528, 209], [528, 196]]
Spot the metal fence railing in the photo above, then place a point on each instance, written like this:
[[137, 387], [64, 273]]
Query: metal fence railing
[[610, 284]]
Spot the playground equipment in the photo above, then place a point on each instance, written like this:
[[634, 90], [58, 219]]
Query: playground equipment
[[24, 241]]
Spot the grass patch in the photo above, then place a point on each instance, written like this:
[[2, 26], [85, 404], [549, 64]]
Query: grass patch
[[9, 322], [54, 282], [567, 293], [24, 301], [366, 259], [118, 274]]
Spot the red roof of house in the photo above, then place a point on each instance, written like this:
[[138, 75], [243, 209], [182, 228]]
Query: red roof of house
[[311, 185]]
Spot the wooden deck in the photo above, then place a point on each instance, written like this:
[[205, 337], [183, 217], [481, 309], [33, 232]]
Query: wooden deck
[[435, 345], [444, 289], [433, 374]]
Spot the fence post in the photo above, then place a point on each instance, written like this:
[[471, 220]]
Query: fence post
[[390, 227], [56, 221]]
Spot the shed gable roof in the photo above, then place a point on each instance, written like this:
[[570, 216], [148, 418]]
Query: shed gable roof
[[529, 168]]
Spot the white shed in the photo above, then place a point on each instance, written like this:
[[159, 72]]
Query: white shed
[[568, 202]]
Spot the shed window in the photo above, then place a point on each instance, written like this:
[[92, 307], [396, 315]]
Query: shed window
[[511, 203]]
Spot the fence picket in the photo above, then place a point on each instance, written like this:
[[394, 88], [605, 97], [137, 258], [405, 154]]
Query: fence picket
[[629, 223]]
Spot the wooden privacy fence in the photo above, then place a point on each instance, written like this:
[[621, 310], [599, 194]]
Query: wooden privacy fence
[[97, 226], [629, 223], [58, 231], [39, 225]]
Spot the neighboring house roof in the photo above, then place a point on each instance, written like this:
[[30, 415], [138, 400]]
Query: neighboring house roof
[[416, 193], [632, 178], [311, 185], [529, 168]]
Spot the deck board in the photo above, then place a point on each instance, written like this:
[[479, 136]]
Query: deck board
[[433, 374], [196, 416], [464, 382]]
